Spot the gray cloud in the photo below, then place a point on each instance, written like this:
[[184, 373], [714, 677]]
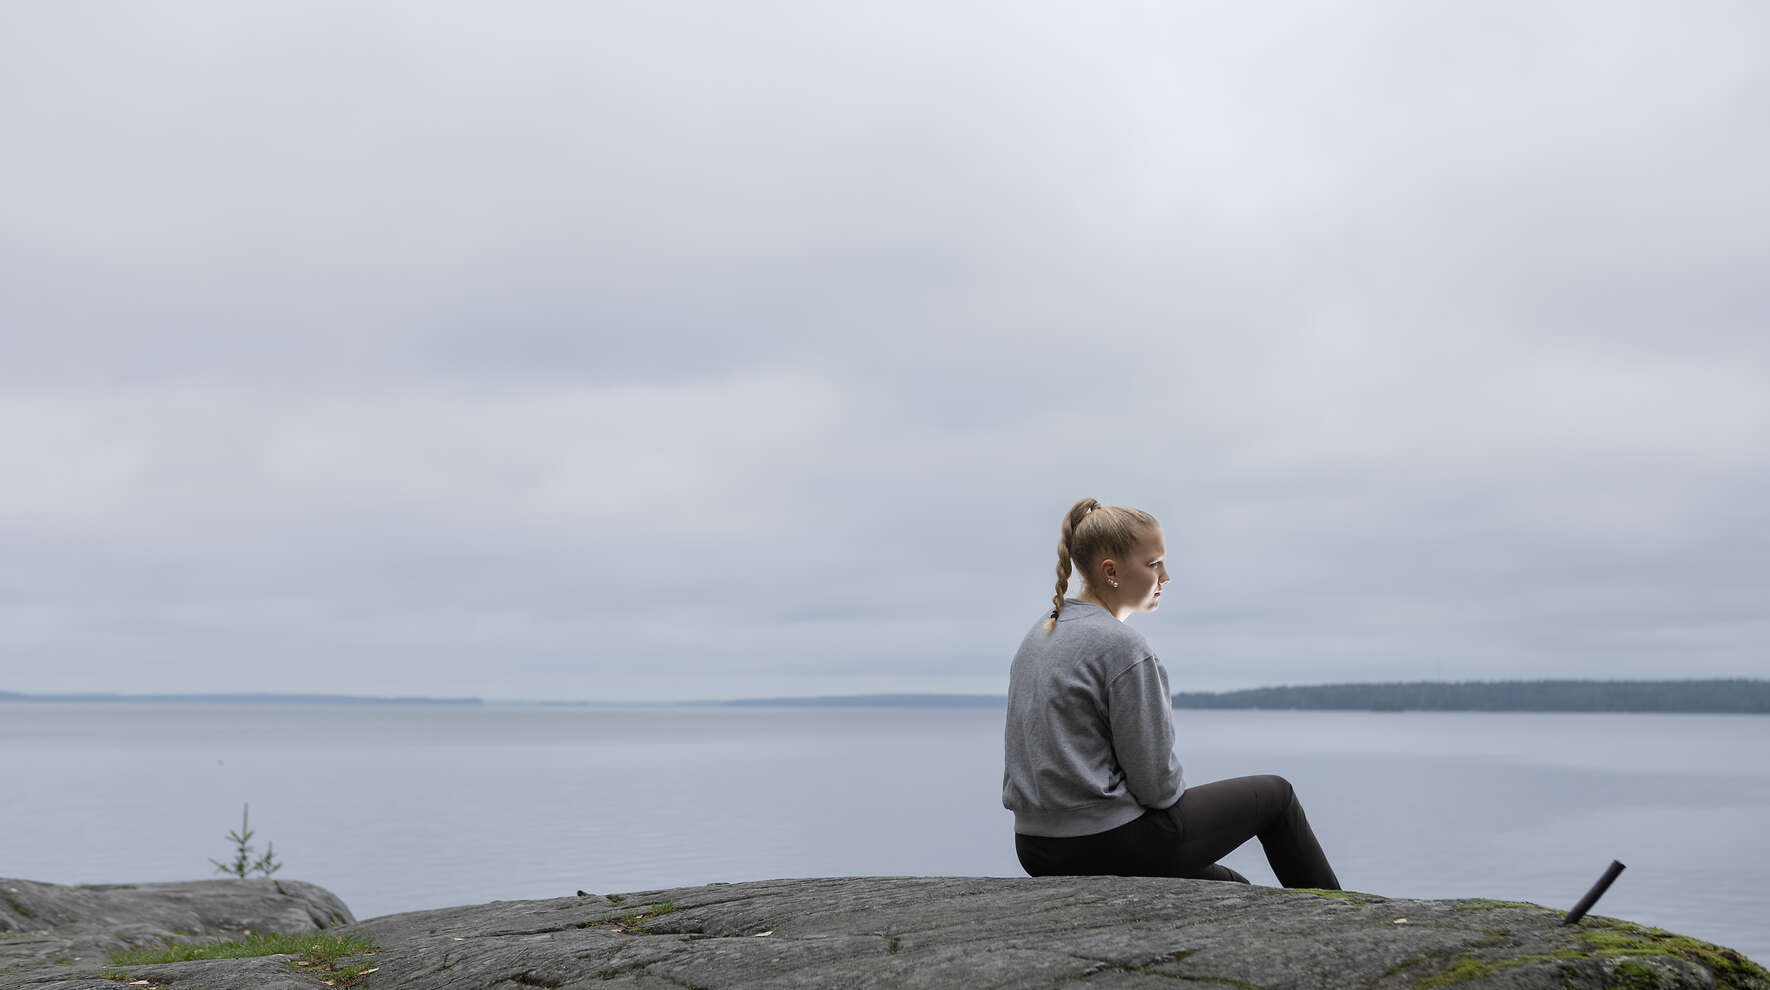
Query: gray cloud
[[691, 350]]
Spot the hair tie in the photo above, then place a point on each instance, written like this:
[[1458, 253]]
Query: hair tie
[[1053, 613]]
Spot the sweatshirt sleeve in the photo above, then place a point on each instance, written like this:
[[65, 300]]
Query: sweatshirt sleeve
[[1142, 719]]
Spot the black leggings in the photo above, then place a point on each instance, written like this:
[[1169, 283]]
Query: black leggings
[[1186, 840]]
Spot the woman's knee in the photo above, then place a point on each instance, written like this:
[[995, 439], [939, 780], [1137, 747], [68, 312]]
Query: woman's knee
[[1279, 788]]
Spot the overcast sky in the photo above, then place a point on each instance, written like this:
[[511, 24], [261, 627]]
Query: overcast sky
[[710, 350]]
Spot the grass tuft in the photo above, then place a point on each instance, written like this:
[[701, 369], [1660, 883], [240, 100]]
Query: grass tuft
[[631, 920], [317, 948], [350, 975]]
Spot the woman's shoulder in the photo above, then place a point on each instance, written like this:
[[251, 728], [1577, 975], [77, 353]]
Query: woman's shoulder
[[1094, 623], [1133, 645]]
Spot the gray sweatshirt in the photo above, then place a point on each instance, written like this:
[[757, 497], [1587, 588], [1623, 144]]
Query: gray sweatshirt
[[1089, 743]]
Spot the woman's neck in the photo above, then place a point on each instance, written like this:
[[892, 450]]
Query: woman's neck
[[1090, 599]]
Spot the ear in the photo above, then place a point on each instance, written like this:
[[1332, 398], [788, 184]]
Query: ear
[[1106, 568]]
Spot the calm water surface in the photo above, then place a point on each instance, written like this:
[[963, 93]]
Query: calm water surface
[[396, 808]]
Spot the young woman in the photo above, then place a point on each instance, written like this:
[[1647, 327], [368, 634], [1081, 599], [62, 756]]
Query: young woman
[[1090, 771]]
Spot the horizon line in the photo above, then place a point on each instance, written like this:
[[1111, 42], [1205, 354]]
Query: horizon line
[[878, 697]]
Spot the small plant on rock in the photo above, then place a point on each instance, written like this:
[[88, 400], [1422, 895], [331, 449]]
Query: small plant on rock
[[318, 955], [243, 864]]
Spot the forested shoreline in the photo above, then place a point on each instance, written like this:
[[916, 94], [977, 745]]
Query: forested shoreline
[[1738, 696]]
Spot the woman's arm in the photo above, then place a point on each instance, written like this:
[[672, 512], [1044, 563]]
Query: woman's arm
[[1141, 716]]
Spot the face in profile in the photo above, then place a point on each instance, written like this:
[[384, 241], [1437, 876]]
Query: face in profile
[[1142, 577]]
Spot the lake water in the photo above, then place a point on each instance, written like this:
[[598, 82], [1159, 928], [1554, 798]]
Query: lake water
[[403, 808]]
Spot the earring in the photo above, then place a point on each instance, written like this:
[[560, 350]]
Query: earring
[[1115, 584]]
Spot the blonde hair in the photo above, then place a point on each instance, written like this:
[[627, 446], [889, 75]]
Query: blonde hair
[[1091, 533]]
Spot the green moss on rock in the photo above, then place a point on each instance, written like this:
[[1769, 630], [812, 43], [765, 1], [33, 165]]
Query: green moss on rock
[[1488, 904], [1634, 976], [1610, 938], [1357, 897]]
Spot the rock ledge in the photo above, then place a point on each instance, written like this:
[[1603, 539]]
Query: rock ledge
[[864, 932]]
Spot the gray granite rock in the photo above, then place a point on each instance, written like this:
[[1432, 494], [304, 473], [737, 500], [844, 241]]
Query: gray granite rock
[[57, 930], [977, 932]]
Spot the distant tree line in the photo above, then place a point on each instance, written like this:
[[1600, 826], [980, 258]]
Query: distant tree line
[[241, 699], [1709, 696]]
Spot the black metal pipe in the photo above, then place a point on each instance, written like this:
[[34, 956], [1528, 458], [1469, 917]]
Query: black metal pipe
[[1597, 891]]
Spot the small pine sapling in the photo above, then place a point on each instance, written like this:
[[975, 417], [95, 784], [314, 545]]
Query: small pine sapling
[[243, 864]]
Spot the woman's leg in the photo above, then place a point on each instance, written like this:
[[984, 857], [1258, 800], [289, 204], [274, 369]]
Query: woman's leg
[[1124, 851], [1148, 846], [1215, 871], [1215, 818]]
